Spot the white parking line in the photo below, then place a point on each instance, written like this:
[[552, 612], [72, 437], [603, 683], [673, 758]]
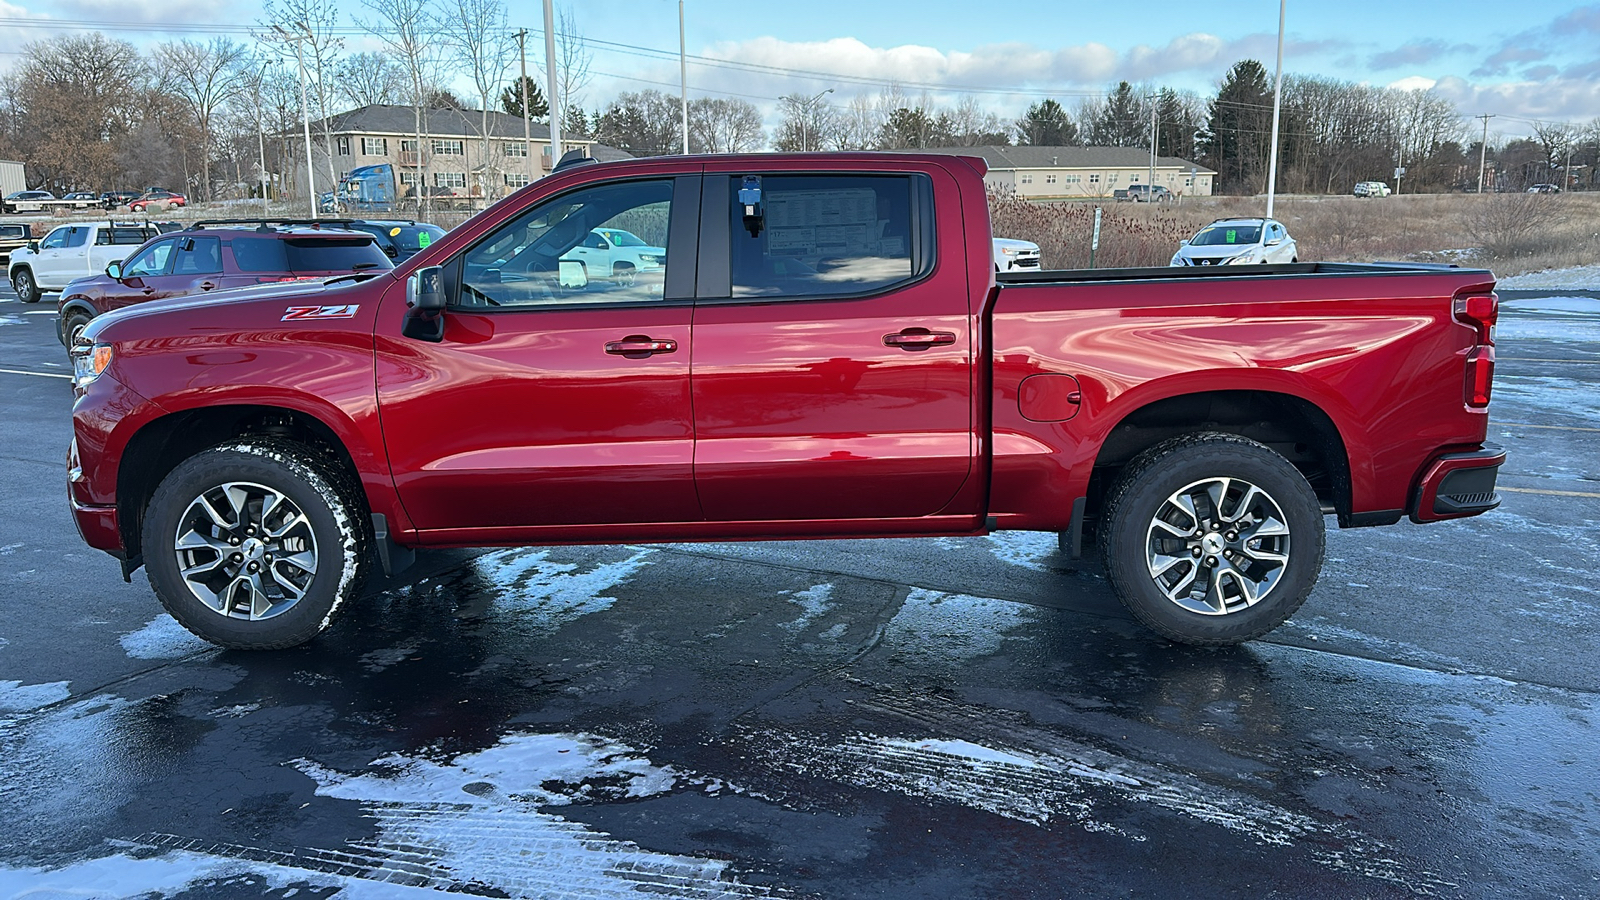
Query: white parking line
[[37, 374], [1549, 427], [1551, 493]]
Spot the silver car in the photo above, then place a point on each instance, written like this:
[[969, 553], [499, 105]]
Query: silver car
[[1238, 242]]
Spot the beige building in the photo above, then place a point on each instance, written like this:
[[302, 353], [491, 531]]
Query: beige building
[[1064, 173], [451, 156]]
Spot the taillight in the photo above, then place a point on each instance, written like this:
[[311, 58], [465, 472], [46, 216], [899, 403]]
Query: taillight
[[1480, 311], [1480, 376]]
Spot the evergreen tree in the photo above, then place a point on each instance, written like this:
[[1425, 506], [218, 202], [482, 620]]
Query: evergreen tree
[[511, 100], [1238, 133], [1046, 124], [1123, 120]]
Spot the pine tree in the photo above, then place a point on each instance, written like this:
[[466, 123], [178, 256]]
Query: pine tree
[[1046, 124], [1237, 136]]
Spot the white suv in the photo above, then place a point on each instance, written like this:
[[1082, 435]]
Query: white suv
[[1371, 189], [1238, 242]]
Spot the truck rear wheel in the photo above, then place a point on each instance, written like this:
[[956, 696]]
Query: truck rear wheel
[[27, 289], [1212, 539], [252, 545]]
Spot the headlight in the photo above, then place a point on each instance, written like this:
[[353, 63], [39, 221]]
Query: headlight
[[88, 361], [1247, 256], [650, 259], [1010, 251]]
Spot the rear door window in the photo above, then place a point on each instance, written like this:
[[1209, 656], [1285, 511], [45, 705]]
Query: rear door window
[[829, 235]]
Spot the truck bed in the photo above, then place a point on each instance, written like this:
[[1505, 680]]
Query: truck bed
[[1178, 273]]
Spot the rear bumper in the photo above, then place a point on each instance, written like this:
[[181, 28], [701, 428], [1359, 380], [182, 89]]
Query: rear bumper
[[1458, 485]]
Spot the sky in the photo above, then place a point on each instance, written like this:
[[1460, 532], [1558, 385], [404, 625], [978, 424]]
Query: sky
[[1523, 62]]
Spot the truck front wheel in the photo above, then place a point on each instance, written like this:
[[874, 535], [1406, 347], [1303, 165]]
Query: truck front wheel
[[1212, 539], [252, 545], [27, 289]]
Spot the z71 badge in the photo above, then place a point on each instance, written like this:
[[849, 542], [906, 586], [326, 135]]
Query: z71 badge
[[320, 312]]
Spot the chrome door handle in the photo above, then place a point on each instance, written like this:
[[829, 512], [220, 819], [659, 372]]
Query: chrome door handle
[[918, 339]]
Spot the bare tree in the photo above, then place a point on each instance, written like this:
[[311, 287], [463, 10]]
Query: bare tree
[[858, 125], [477, 34], [407, 29], [314, 25], [718, 125], [573, 59], [809, 123], [69, 107], [370, 79], [204, 77]]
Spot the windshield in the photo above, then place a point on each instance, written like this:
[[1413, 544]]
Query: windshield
[[1226, 234]]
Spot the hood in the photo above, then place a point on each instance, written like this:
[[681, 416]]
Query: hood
[[1014, 244], [302, 293], [1221, 251]]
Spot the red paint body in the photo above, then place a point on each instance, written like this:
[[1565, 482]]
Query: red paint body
[[799, 418]]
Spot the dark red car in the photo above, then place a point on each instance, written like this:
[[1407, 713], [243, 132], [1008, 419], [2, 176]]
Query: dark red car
[[214, 256], [166, 198]]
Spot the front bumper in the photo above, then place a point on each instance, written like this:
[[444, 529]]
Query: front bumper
[[1458, 485]]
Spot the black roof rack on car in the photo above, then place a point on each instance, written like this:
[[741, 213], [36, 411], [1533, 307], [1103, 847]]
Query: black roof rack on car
[[267, 223]]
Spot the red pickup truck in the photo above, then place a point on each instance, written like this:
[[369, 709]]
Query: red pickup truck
[[824, 352]]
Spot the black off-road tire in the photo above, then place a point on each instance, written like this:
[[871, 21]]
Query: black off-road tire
[[1143, 491], [333, 514], [26, 286]]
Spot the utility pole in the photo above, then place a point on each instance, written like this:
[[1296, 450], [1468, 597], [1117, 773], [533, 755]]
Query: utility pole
[[1483, 148], [261, 132], [550, 77], [305, 110], [1277, 105], [1154, 130], [527, 130], [683, 78]]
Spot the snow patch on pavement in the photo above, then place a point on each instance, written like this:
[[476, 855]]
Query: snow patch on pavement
[[1024, 548], [162, 638], [936, 627], [548, 594], [814, 603], [18, 697]]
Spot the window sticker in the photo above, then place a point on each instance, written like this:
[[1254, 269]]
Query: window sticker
[[423, 238], [1233, 236]]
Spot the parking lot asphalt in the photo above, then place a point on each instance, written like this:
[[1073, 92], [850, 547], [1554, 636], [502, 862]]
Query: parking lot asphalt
[[903, 718]]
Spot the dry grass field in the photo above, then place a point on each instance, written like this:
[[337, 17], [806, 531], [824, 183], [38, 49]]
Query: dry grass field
[[1509, 233]]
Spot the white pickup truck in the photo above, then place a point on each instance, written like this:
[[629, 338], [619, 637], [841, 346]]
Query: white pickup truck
[[73, 251]]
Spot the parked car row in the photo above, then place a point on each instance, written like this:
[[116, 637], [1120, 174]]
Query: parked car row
[[39, 201]]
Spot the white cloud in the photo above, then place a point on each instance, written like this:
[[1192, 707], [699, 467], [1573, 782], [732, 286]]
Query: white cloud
[[1413, 83]]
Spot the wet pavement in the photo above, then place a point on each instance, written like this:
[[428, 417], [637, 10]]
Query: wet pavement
[[906, 719]]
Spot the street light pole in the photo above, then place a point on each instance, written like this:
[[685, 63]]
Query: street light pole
[[683, 78], [550, 78], [1277, 106], [305, 113]]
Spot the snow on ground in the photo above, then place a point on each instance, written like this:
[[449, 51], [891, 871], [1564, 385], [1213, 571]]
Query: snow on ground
[[1578, 278]]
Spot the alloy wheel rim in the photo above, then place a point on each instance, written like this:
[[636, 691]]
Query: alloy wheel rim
[[245, 550], [1217, 546]]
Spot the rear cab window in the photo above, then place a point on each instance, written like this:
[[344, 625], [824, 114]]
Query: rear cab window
[[831, 235]]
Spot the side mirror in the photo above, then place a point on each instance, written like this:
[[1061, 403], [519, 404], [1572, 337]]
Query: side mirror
[[33, 246], [425, 305], [1273, 242], [1183, 243], [115, 270]]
